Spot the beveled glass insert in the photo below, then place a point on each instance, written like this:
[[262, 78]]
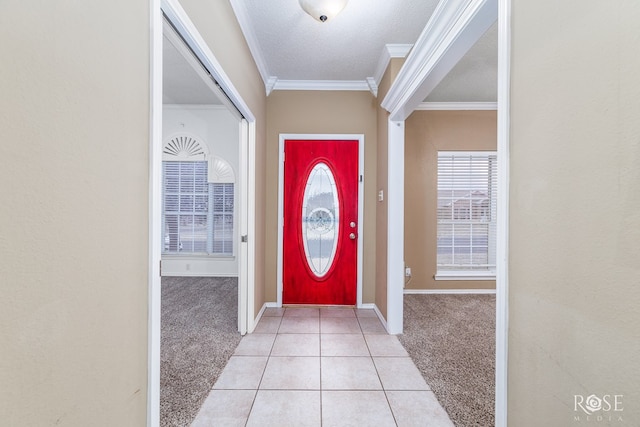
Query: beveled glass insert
[[320, 219]]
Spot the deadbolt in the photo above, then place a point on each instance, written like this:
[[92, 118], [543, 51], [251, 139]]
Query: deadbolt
[[352, 236]]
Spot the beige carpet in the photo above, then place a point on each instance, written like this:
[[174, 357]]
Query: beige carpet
[[451, 339], [199, 333]]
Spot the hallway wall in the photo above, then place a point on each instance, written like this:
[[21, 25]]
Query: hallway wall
[[321, 112], [426, 133], [74, 178], [74, 165], [574, 291]]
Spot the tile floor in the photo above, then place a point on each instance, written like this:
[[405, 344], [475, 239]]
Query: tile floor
[[320, 367]]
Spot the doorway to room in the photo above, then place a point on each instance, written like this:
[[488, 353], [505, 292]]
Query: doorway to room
[[201, 213]]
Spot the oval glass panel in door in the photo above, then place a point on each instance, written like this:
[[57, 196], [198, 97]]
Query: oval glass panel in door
[[320, 219]]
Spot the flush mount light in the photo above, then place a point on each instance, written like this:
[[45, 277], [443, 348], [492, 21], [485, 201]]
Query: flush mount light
[[323, 10]]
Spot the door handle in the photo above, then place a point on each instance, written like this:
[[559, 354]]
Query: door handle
[[352, 236]]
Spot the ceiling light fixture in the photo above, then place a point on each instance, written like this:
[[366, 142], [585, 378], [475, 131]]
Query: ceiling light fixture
[[323, 10]]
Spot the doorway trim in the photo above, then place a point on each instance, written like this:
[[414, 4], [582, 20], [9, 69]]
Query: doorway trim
[[176, 15], [360, 257], [421, 72]]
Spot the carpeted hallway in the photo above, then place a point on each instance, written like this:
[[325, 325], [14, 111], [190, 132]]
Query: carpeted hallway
[[451, 339]]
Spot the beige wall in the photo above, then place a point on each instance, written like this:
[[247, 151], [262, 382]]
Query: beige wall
[[574, 280], [322, 113], [217, 24], [74, 212], [426, 133], [74, 166]]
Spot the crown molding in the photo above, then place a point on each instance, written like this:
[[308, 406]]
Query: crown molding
[[321, 85], [239, 9], [427, 106], [453, 28], [373, 86], [389, 51]]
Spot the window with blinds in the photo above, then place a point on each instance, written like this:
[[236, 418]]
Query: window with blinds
[[467, 185], [197, 214]]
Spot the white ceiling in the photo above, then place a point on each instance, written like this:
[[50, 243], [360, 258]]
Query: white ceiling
[[290, 46], [294, 50], [181, 82]]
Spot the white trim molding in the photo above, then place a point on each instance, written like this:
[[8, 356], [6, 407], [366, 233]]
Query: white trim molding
[[453, 106], [357, 85], [453, 28], [502, 246], [155, 214], [462, 276], [239, 9], [395, 227], [449, 291], [389, 51]]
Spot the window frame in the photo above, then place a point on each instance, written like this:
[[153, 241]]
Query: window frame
[[469, 271]]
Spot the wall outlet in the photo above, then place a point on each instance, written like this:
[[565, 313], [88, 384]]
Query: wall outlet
[[407, 271]]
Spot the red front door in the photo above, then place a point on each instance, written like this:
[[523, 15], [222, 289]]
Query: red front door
[[320, 222]]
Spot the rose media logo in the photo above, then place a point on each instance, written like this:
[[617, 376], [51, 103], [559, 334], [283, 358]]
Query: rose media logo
[[598, 409]]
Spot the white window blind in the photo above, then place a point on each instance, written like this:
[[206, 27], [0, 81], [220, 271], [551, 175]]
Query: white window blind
[[222, 195], [197, 215], [467, 185]]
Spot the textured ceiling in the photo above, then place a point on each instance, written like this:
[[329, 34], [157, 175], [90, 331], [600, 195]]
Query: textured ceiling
[[289, 45], [294, 46], [475, 77]]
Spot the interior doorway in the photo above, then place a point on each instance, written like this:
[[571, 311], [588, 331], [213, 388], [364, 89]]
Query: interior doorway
[[201, 182]]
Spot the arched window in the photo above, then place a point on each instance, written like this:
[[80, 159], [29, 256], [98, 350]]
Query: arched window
[[198, 199]]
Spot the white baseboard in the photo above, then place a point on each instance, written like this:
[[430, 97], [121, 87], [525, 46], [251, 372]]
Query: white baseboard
[[372, 306], [450, 291]]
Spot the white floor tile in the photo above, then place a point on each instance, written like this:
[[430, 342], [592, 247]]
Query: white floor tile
[[349, 373], [292, 373], [225, 408], [296, 345], [337, 312], [356, 409], [339, 325], [279, 408], [399, 373], [385, 345], [371, 325], [255, 345], [343, 345], [299, 325], [302, 312], [417, 408], [268, 325], [242, 373]]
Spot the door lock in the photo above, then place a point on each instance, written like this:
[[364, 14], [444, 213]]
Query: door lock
[[352, 236]]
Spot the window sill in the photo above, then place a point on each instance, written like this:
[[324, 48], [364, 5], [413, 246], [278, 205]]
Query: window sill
[[198, 255], [465, 275]]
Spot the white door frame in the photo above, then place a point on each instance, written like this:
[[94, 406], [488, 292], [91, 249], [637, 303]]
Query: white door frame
[[246, 181], [350, 137]]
